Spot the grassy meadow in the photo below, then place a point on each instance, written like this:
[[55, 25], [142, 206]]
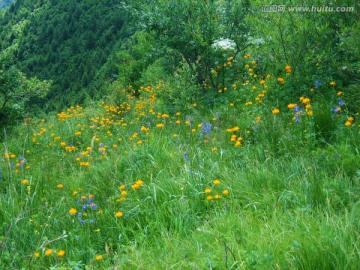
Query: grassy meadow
[[249, 180]]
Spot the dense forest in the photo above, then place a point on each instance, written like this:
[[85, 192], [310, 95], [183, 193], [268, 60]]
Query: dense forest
[[68, 42]]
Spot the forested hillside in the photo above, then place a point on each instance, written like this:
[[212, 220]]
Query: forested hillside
[[67, 42]]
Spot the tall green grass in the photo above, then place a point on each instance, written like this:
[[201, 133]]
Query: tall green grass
[[181, 196]]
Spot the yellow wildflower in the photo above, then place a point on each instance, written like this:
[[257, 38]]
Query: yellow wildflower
[[48, 252], [99, 258], [25, 182], [281, 80], [275, 111], [217, 182], [61, 253]]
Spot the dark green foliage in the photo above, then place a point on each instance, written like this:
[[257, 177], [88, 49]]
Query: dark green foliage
[[191, 28], [15, 91], [325, 126], [136, 54], [65, 41]]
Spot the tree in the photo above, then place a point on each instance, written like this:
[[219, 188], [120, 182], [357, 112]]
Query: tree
[[136, 55], [191, 28], [319, 46], [16, 89]]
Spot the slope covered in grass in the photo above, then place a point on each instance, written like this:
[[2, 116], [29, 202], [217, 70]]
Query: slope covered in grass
[[246, 182]]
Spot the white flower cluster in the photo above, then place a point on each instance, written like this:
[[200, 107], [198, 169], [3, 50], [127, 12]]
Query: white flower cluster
[[224, 44]]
